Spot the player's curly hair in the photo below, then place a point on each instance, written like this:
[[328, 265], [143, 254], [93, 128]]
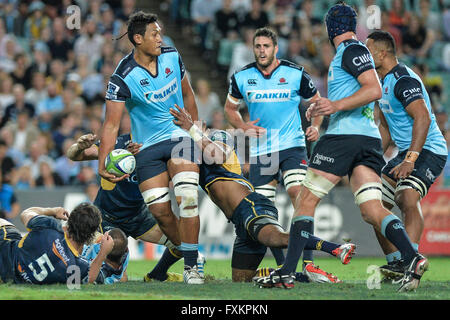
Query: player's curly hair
[[268, 33], [83, 222], [137, 24]]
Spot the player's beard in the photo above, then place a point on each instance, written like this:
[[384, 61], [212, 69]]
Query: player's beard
[[268, 63]]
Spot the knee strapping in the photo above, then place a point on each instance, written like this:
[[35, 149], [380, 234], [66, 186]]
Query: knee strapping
[[185, 185], [267, 190], [414, 183], [368, 191], [388, 192], [156, 195], [293, 177], [318, 185]]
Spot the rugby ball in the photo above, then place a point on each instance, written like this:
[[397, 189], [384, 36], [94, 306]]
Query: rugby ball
[[120, 162]]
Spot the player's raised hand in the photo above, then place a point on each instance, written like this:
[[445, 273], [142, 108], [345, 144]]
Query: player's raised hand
[[106, 244], [252, 130], [85, 141], [312, 133], [134, 147], [182, 118], [61, 213]]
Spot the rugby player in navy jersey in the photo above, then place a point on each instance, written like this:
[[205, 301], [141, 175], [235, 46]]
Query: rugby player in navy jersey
[[147, 82], [122, 205], [407, 119], [254, 216], [50, 253], [274, 90], [350, 146]]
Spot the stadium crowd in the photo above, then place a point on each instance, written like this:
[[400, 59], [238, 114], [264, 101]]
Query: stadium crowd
[[53, 78]]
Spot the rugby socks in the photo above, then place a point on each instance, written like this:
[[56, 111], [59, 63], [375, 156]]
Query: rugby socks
[[394, 256], [168, 259], [301, 229], [308, 254], [392, 228], [190, 253], [278, 254], [318, 244]]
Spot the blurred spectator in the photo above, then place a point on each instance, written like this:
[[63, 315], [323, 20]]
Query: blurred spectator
[[50, 106], [60, 47], [242, 53], [7, 63], [36, 156], [256, 18], [36, 22], [218, 120], [66, 168], [91, 190], [108, 24], [86, 175], [66, 129], [6, 96], [226, 20], [41, 58], [90, 42], [22, 72], [398, 15], [38, 90], [430, 19], [8, 200], [446, 22], [207, 101], [19, 105], [57, 74], [202, 14], [126, 9], [18, 19], [394, 31], [47, 177], [417, 40], [16, 155], [22, 179], [24, 132], [6, 163]]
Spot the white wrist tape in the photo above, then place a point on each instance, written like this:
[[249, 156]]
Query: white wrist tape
[[196, 133]]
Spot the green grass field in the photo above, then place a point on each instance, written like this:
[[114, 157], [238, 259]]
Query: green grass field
[[435, 285]]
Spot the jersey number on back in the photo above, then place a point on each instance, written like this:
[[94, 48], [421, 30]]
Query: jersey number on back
[[41, 261]]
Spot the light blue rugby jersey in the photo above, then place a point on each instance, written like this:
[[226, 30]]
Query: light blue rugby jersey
[[275, 100], [401, 86], [351, 60], [148, 97]]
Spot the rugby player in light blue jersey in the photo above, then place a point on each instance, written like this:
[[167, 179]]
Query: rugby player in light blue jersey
[[50, 253], [350, 146], [273, 91], [147, 82], [407, 119]]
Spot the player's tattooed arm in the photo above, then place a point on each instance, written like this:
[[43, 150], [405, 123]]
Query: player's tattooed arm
[[83, 149]]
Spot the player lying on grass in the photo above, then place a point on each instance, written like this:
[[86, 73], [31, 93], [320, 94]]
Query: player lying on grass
[[122, 205], [114, 268], [50, 253], [254, 216]]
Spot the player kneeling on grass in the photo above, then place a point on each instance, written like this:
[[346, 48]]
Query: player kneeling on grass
[[114, 268], [50, 253], [254, 216]]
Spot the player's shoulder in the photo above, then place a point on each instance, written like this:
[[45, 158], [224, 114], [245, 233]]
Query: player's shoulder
[[166, 50], [245, 68], [125, 66], [289, 64], [400, 71]]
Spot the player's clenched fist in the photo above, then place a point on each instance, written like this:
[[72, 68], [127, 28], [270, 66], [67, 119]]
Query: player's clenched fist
[[87, 140]]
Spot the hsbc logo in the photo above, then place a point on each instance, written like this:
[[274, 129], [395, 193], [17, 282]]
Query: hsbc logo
[[365, 58]]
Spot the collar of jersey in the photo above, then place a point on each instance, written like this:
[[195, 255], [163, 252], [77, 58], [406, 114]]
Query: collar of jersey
[[398, 65], [71, 247], [142, 67], [268, 76]]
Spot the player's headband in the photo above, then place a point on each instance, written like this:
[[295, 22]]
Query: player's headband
[[340, 18]]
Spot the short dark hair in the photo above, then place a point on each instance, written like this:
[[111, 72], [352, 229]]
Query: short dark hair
[[266, 32], [120, 245], [83, 222], [137, 24], [384, 37]]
